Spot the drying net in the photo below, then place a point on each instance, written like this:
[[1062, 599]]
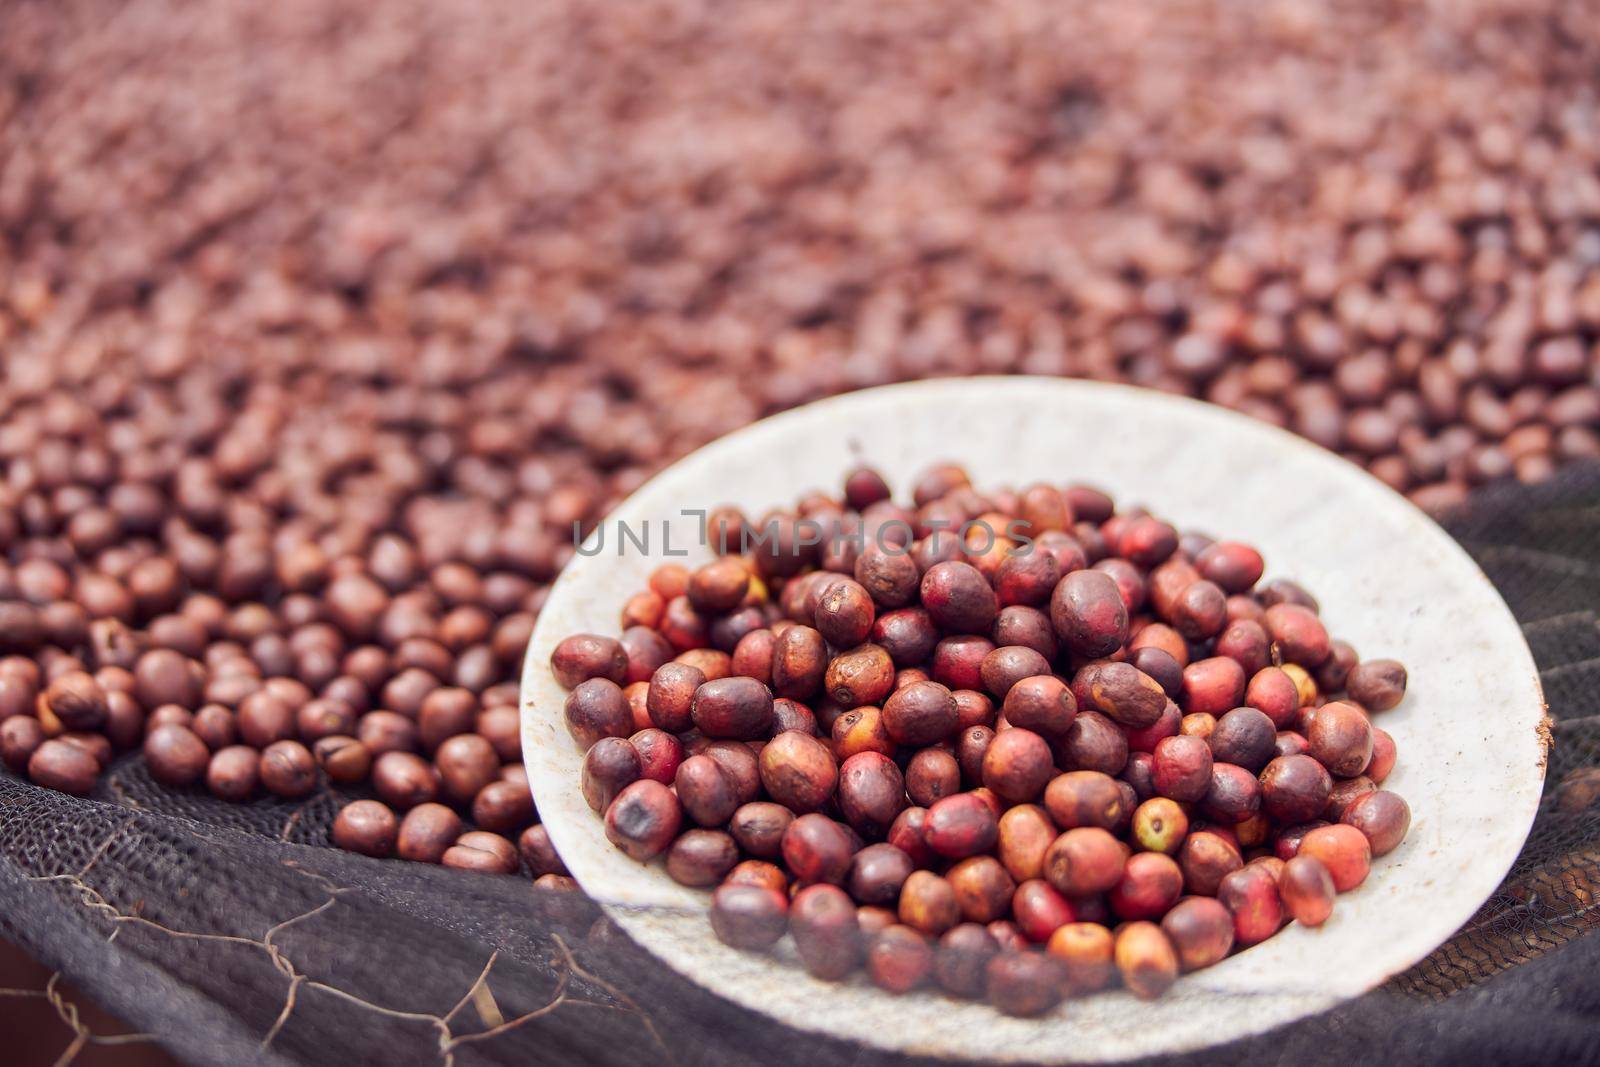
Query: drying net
[[235, 934]]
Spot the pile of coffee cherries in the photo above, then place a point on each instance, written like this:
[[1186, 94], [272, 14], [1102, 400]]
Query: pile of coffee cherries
[[370, 687], [1019, 745]]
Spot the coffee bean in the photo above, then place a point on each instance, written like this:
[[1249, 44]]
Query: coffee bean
[[537, 852], [503, 806], [20, 738], [404, 780], [465, 764], [427, 832], [59, 765], [288, 769], [479, 850], [78, 701], [367, 827], [176, 756]]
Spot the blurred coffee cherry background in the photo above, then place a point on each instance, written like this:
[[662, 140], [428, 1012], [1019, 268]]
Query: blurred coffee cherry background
[[297, 291]]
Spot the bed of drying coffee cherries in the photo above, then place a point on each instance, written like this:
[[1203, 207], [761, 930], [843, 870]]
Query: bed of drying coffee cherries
[[1017, 745]]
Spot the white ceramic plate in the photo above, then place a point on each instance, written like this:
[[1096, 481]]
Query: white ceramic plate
[[1390, 581]]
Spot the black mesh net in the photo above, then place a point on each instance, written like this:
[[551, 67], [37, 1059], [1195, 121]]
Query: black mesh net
[[234, 934]]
